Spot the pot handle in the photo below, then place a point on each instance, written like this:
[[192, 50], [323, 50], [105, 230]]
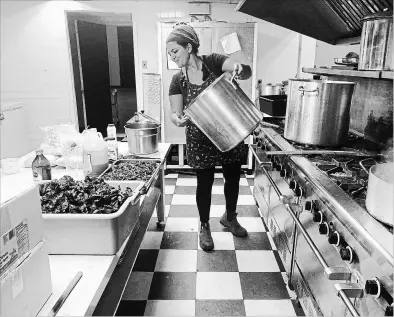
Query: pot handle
[[232, 81], [303, 90], [361, 163]]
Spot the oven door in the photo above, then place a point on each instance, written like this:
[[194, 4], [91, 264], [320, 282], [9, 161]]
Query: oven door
[[319, 268], [280, 223]]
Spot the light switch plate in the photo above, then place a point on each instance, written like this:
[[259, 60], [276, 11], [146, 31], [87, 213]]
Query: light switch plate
[[144, 64]]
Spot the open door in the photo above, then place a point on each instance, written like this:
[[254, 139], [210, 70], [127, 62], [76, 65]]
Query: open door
[[93, 49]]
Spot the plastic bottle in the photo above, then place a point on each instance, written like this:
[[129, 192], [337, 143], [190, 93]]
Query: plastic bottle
[[41, 167], [111, 131], [95, 153], [112, 149]]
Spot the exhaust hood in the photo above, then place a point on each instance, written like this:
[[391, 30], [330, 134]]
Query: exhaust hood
[[331, 21]]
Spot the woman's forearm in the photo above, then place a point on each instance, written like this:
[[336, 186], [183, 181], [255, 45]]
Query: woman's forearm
[[174, 118]]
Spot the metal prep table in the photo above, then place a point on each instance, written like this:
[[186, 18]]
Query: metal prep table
[[100, 288]]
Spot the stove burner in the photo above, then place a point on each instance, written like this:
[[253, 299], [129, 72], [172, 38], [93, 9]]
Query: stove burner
[[355, 190]]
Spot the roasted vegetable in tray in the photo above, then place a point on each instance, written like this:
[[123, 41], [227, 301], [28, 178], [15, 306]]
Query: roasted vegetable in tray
[[131, 170], [91, 196]]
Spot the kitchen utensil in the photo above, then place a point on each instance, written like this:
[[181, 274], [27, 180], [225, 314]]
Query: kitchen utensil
[[379, 201], [317, 152], [318, 111], [376, 47], [224, 113], [143, 136], [276, 89], [267, 90], [346, 61], [274, 105], [59, 303]]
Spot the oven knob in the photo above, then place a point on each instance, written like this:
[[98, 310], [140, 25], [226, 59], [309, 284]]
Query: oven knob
[[389, 310], [317, 216], [298, 191], [283, 172], [323, 228], [346, 254], [373, 287], [308, 205], [334, 238], [292, 184], [259, 143]]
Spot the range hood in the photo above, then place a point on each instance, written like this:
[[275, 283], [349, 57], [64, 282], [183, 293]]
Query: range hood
[[331, 21]]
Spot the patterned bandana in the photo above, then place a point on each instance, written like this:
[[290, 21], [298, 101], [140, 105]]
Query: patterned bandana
[[185, 32]]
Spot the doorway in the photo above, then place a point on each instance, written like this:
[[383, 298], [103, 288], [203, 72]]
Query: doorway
[[102, 52]]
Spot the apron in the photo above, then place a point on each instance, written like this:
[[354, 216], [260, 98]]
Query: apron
[[201, 153]]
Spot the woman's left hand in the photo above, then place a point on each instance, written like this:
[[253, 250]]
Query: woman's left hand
[[238, 69]]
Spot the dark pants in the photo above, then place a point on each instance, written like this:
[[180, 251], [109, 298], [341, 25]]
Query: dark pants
[[205, 178]]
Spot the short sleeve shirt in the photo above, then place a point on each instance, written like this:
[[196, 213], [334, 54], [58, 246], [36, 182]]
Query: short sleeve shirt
[[213, 61]]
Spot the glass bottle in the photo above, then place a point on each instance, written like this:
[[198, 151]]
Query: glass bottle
[[41, 167], [112, 149]]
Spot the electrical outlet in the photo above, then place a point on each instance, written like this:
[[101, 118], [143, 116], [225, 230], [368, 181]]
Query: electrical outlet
[[144, 64]]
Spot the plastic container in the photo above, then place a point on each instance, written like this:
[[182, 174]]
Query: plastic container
[[274, 105], [95, 152], [111, 131], [98, 234], [10, 166], [73, 161]]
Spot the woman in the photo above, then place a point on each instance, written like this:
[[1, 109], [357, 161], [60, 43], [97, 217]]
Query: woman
[[197, 73]]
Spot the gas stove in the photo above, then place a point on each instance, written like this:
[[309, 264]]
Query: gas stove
[[338, 258]]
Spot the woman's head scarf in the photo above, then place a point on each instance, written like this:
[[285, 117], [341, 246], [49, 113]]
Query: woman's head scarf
[[184, 33]]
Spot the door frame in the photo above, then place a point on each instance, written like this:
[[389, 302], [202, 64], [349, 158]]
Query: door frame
[[79, 109]]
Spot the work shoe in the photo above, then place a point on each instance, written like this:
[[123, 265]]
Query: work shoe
[[233, 225], [206, 242]]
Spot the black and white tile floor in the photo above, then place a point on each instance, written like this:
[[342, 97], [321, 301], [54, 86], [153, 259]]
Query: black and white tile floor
[[173, 276]]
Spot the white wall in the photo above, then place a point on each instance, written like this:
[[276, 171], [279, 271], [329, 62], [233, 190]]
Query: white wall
[[36, 64], [325, 53], [113, 55]]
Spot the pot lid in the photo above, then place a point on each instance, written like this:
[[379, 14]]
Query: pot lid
[[379, 15], [330, 21]]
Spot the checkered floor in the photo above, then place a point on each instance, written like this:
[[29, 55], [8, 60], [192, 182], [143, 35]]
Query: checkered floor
[[173, 276]]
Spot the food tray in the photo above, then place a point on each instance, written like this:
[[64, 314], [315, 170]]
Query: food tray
[[147, 184], [273, 105], [93, 234]]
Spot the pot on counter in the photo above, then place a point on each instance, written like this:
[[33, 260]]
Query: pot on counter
[[143, 134], [379, 201], [224, 113], [318, 111]]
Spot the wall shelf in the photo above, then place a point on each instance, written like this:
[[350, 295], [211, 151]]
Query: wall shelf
[[387, 74], [343, 72]]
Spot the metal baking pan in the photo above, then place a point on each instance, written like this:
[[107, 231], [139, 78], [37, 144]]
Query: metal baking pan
[[146, 186], [352, 61]]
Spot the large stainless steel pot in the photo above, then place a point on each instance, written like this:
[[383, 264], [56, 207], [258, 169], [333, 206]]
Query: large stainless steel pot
[[224, 113], [318, 111], [376, 47], [143, 137], [379, 201]]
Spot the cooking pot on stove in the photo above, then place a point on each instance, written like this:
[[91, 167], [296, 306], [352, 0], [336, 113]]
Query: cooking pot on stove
[[318, 111], [379, 201]]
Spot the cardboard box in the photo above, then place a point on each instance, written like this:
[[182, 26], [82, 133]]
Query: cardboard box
[[21, 227], [26, 288]]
